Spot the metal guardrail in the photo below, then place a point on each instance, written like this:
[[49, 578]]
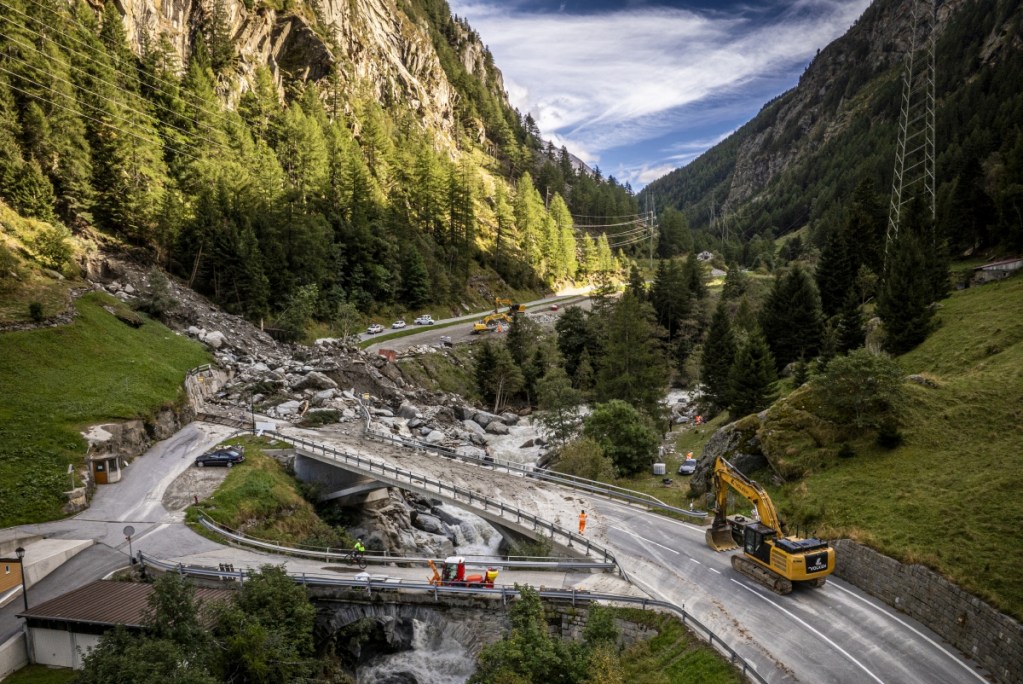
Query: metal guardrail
[[564, 479], [473, 499], [504, 591], [328, 555]]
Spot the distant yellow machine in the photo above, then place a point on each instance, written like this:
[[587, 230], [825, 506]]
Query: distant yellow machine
[[494, 322], [769, 557]]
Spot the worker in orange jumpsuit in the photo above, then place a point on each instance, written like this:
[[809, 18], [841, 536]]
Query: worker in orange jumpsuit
[[582, 522]]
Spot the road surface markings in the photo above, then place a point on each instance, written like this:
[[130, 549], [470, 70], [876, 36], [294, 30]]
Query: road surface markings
[[910, 627], [811, 630], [717, 571], [696, 561], [643, 511], [648, 541], [149, 532]]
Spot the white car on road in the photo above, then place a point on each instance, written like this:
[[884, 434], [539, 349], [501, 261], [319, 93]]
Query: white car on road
[[375, 328], [398, 324], [425, 319]]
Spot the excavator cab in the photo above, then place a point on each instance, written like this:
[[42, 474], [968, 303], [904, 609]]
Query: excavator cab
[[756, 538]]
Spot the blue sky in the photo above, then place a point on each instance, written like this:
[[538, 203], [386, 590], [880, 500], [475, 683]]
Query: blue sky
[[641, 87]]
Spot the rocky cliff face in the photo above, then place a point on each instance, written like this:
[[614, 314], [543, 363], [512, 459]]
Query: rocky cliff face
[[880, 40], [373, 43], [797, 162]]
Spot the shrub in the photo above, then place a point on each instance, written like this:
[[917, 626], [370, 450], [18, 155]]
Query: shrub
[[35, 311], [846, 451], [156, 298], [862, 390], [888, 435], [52, 247], [322, 417]]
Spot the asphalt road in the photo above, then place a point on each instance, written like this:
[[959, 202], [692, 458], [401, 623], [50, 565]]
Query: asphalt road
[[137, 501], [461, 332], [832, 634]]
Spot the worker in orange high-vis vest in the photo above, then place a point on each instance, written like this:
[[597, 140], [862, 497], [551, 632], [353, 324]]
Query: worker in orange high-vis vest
[[582, 522]]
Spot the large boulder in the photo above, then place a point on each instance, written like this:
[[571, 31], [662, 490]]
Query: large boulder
[[315, 380], [738, 443], [497, 428], [408, 411], [215, 339], [510, 418], [435, 437], [473, 427], [484, 418], [288, 408], [471, 451], [428, 523], [464, 412]]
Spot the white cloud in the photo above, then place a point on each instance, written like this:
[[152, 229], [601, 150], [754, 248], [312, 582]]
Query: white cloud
[[599, 81]]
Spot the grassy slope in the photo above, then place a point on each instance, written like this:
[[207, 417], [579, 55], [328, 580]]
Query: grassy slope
[[40, 674], [674, 656], [261, 500], [949, 497], [55, 381]]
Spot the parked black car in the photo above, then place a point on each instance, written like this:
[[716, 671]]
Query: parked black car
[[220, 457]]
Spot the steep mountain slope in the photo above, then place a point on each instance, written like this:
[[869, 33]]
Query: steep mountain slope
[[798, 161], [288, 159]]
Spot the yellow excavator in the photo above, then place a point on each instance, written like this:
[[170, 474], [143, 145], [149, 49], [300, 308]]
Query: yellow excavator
[[513, 308], [494, 322], [769, 557]]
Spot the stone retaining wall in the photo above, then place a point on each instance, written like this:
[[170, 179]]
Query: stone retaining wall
[[993, 639]]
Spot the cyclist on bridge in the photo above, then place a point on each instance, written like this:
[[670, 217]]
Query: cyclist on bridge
[[359, 548]]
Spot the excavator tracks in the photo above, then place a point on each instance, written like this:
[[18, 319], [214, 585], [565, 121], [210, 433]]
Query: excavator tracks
[[775, 583]]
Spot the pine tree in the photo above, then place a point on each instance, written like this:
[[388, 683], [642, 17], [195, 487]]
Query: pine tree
[[636, 285], [718, 357], [217, 32], [791, 318], [675, 237], [752, 379], [415, 279], [850, 330], [670, 297], [736, 283], [565, 265], [632, 366], [693, 272], [904, 302], [558, 403], [836, 272]]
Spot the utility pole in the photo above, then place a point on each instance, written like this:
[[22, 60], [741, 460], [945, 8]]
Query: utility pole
[[915, 149]]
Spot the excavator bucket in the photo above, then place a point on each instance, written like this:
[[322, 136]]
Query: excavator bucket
[[719, 537]]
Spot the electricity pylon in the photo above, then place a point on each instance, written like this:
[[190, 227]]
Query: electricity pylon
[[915, 153]]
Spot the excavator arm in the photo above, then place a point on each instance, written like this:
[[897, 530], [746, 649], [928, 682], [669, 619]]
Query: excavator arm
[[725, 477]]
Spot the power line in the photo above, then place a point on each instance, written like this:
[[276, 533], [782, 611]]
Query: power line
[[85, 102], [156, 121], [622, 216], [607, 225], [80, 113], [915, 150], [197, 102]]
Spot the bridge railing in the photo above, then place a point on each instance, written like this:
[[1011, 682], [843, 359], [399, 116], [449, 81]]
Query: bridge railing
[[369, 584], [399, 476], [327, 554], [573, 481]]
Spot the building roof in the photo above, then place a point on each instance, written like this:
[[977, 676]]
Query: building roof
[[1002, 262], [106, 602]]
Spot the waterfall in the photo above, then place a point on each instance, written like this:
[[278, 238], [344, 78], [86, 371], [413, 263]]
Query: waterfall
[[435, 658], [474, 536]]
